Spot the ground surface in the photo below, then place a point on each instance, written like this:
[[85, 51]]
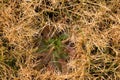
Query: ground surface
[[59, 39]]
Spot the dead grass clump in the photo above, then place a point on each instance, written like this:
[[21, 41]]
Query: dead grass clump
[[59, 40]]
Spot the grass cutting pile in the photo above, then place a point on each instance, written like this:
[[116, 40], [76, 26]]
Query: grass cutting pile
[[59, 39]]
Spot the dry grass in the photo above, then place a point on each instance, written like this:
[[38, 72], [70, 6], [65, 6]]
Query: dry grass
[[59, 39]]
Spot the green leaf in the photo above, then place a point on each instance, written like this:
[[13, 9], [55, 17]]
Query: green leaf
[[64, 56], [58, 43], [56, 55], [63, 36]]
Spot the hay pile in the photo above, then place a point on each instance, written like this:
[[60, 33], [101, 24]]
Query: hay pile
[[59, 39]]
